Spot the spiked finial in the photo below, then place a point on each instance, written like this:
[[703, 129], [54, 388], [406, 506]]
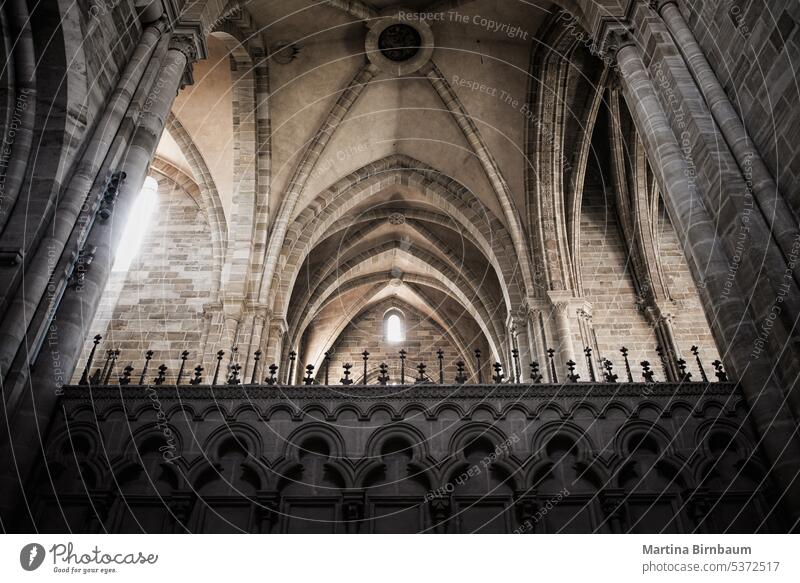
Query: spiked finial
[[233, 377], [198, 375], [551, 356], [590, 364], [85, 376], [421, 378], [272, 379], [125, 379], [498, 373], [383, 376], [184, 356], [346, 380], [609, 375], [220, 354], [572, 376], [256, 358], [162, 375], [309, 380], [365, 356], [685, 375], [628, 372], [461, 378], [536, 376], [647, 372], [147, 356], [402, 354], [719, 372], [696, 351]]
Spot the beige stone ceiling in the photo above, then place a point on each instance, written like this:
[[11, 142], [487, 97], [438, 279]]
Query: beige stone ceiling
[[483, 49], [394, 115]]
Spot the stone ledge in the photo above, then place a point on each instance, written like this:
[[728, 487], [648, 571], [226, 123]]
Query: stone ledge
[[398, 392]]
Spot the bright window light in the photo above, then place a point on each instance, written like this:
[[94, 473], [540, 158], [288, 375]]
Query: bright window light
[[394, 328], [137, 225]]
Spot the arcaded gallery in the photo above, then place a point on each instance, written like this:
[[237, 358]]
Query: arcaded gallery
[[356, 266]]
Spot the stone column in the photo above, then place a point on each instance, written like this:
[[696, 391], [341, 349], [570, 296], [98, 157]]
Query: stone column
[[258, 319], [733, 327], [277, 329], [778, 215], [208, 321], [537, 339], [79, 302], [230, 331], [41, 275], [563, 345], [589, 338], [661, 322], [522, 343]]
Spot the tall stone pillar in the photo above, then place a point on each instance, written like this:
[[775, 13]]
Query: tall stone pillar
[[537, 339], [661, 322], [45, 268], [78, 305], [257, 317], [757, 268], [230, 331], [589, 340], [733, 325], [277, 330], [519, 331], [779, 216], [561, 311]]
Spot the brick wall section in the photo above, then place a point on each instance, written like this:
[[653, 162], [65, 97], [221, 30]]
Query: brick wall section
[[158, 303], [754, 48], [423, 338], [690, 323], [608, 285]]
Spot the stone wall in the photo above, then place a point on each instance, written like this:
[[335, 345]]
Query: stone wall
[[437, 459], [158, 303], [754, 48], [423, 338], [608, 285], [690, 323]]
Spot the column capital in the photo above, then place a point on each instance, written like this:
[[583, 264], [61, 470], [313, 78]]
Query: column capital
[[188, 40], [185, 44], [567, 302], [534, 308], [258, 309], [279, 323], [232, 307], [617, 38]]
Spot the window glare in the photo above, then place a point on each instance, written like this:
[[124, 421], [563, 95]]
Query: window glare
[[137, 224], [394, 328]]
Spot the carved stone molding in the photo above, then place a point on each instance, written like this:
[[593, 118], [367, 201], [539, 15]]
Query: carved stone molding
[[617, 38], [184, 43], [283, 393]]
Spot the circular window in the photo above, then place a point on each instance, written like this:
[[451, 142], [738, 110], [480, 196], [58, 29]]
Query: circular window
[[399, 42], [398, 47]]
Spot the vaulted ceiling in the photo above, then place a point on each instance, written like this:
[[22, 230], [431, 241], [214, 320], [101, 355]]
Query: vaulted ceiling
[[377, 184]]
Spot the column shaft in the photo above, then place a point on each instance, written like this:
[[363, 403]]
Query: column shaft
[[78, 305], [732, 324], [778, 215]]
